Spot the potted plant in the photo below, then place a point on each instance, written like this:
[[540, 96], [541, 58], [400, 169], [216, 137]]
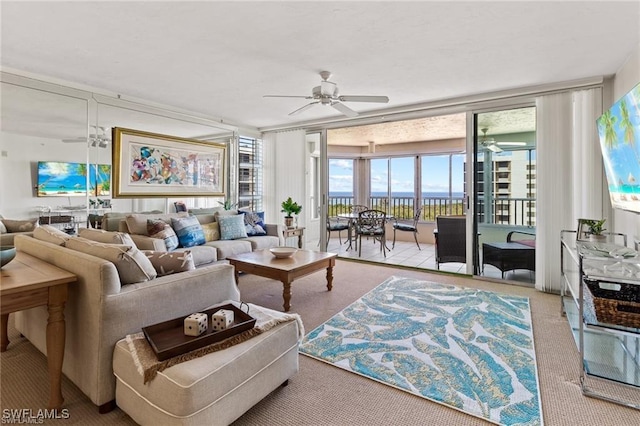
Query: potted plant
[[595, 229], [290, 207], [227, 204]]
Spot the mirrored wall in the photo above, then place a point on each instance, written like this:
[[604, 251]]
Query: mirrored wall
[[56, 150]]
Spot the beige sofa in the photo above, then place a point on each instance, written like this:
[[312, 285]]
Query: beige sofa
[[224, 248], [100, 310], [10, 228]]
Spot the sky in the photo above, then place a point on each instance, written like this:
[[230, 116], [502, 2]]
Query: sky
[[435, 174]]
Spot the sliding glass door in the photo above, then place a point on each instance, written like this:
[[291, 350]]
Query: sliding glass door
[[504, 193]]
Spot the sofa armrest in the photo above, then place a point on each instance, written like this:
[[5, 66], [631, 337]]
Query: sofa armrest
[[275, 231], [7, 239], [147, 243]]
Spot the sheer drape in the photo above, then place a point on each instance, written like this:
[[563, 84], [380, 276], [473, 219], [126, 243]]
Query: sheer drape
[[569, 174]]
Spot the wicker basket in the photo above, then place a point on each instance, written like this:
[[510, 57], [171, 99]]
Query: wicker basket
[[612, 303]]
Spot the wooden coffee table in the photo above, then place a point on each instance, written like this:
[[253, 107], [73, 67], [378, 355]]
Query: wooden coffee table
[[304, 262]]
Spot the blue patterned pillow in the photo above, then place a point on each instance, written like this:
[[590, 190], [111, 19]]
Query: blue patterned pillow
[[188, 230], [254, 223], [232, 227]]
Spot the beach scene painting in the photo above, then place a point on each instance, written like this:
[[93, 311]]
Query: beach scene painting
[[619, 132], [61, 179], [100, 179]]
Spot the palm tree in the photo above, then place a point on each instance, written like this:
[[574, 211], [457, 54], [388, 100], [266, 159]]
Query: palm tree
[[608, 121], [627, 125]]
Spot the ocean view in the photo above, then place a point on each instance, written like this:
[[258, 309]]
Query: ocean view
[[402, 194]]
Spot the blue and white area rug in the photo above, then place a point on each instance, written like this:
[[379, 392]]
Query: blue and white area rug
[[467, 348]]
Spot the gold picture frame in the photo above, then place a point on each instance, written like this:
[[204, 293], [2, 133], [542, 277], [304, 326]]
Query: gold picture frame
[[153, 165]]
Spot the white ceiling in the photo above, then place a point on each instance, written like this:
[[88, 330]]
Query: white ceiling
[[220, 58]]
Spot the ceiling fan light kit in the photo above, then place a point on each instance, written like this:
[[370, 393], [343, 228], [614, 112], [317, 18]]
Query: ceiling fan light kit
[[327, 94]]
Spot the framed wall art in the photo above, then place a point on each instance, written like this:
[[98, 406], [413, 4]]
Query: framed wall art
[[154, 165]]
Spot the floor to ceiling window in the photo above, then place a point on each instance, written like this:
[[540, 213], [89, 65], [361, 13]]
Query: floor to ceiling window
[[250, 173]]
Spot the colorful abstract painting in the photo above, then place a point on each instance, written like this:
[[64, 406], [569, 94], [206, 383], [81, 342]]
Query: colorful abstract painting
[[467, 348]]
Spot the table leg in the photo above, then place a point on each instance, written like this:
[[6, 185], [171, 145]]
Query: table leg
[[300, 241], [286, 295], [3, 329], [329, 278], [55, 343]]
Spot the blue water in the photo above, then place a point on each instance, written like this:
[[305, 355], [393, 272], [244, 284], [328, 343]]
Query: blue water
[[402, 194]]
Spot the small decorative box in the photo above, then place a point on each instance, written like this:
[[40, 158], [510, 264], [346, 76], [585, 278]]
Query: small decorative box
[[222, 319], [195, 324]]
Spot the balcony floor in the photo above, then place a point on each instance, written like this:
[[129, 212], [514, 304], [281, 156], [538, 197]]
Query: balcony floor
[[407, 254]]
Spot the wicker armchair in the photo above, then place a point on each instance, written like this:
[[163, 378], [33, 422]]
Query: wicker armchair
[[451, 239]]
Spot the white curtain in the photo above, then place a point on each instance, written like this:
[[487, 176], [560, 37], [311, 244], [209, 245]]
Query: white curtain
[[285, 157], [569, 174]]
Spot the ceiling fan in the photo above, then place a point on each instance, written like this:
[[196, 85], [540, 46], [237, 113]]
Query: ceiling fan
[[327, 94], [491, 144], [100, 139]]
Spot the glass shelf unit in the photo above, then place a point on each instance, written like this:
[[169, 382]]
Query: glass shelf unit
[[609, 352]]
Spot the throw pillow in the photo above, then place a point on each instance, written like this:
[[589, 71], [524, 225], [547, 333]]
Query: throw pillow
[[221, 213], [254, 223], [211, 231], [3, 229], [137, 222], [132, 265], [169, 263], [107, 237], [232, 227], [188, 230], [51, 234], [157, 228], [20, 225]]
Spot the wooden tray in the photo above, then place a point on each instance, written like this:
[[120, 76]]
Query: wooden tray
[[167, 339]]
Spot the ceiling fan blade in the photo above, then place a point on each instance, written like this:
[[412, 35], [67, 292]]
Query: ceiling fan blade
[[287, 96], [353, 98], [344, 109], [494, 148], [304, 108]]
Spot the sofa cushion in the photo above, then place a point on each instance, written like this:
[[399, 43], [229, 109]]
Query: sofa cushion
[[206, 218], [262, 242], [137, 222], [226, 248], [132, 265], [51, 234], [232, 227], [157, 228], [254, 223], [202, 255], [107, 237], [205, 211], [27, 225], [188, 230], [211, 231], [166, 263]]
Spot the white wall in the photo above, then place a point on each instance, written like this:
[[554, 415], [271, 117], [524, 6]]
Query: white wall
[[19, 162], [625, 79]]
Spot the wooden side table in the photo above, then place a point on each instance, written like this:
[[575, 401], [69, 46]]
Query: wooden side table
[[28, 282], [294, 232]]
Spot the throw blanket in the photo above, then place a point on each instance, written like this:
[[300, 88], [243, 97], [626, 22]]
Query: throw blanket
[[148, 365]]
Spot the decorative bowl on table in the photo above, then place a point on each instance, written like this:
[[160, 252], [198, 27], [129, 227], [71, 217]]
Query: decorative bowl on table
[[283, 252], [6, 255]]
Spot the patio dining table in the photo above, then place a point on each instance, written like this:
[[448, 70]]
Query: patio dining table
[[353, 217]]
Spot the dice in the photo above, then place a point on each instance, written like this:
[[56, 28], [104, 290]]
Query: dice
[[221, 319], [195, 324]]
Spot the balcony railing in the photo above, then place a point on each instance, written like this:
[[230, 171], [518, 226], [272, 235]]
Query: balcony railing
[[506, 211]]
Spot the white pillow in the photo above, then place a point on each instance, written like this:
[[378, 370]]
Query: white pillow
[[3, 229], [132, 265]]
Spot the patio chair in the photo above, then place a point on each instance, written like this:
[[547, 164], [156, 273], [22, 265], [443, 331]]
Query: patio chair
[[451, 239], [371, 223], [356, 208], [336, 224], [404, 225]]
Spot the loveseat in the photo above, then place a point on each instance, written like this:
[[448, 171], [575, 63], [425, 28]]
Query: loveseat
[[136, 225], [10, 228], [102, 310]]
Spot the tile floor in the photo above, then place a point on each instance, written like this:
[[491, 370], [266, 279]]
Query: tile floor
[[407, 254]]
